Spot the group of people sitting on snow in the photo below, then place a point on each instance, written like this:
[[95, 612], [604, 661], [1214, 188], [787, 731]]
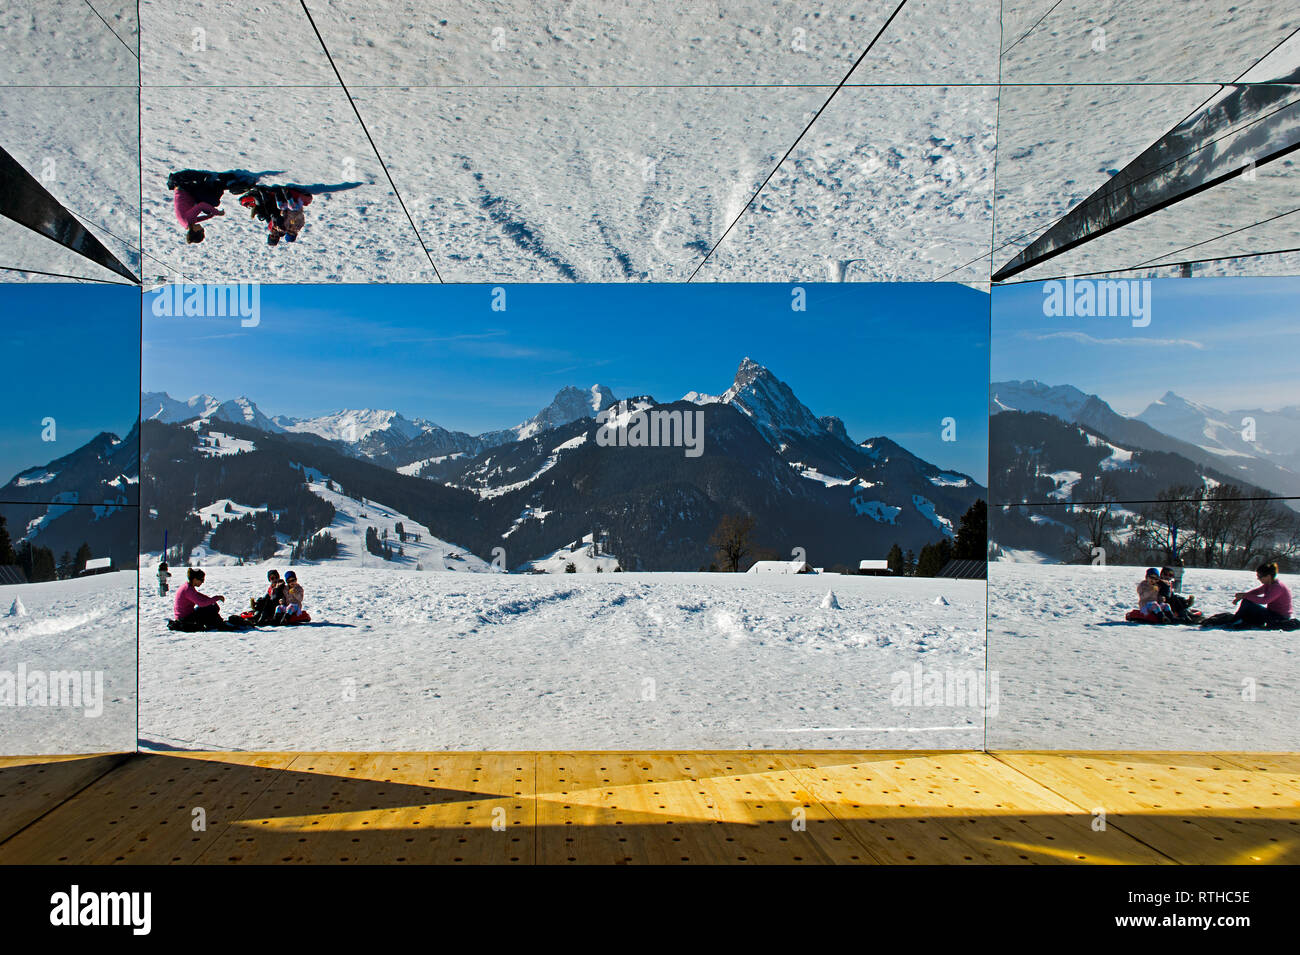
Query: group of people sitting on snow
[[198, 193], [194, 610], [1266, 607]]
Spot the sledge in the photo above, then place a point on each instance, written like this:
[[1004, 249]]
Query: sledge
[[301, 616], [237, 622], [1138, 616]]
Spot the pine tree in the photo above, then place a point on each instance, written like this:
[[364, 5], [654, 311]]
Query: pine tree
[[37, 562], [83, 554], [66, 568], [971, 541], [934, 557], [7, 555], [894, 560]]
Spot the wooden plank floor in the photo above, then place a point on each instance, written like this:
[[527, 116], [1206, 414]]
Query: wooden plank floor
[[748, 807], [31, 785]]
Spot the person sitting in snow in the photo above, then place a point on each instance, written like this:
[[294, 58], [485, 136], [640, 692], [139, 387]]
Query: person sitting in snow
[[1268, 606], [163, 575], [281, 208], [1149, 601], [265, 607], [194, 610], [289, 204], [291, 604], [197, 197], [1178, 603]]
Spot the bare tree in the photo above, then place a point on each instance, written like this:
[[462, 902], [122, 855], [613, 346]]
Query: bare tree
[[732, 539], [1263, 529], [1094, 517], [1172, 520]]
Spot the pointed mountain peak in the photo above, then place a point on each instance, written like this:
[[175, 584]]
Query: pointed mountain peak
[[770, 403], [836, 427], [569, 404], [748, 372]]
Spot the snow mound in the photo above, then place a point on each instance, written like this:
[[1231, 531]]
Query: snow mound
[[830, 602], [16, 609], [941, 601]]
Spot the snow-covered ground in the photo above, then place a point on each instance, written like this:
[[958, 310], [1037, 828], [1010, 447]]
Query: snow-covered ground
[[85, 625], [582, 661], [1073, 675], [657, 125]]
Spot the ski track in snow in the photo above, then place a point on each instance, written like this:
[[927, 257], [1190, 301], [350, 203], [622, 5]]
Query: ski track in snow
[[470, 662]]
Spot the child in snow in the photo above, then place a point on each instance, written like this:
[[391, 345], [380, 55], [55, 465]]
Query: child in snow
[[266, 606], [163, 574], [289, 204], [1170, 585], [281, 208], [292, 599], [1149, 601]]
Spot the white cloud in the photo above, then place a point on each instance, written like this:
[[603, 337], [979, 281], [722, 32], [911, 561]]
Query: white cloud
[[1136, 340]]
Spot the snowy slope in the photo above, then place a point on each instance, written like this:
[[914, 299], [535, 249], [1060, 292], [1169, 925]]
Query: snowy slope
[[585, 141], [1074, 675], [353, 517], [433, 661], [581, 554], [87, 624]]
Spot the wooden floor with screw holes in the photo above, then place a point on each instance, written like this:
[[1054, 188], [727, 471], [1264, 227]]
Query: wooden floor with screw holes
[[622, 808]]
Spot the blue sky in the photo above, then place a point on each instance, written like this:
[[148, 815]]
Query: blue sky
[[72, 353], [1226, 342], [888, 359]]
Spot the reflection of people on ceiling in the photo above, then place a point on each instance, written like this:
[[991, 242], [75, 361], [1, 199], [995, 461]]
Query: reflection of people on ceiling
[[197, 197], [281, 208]]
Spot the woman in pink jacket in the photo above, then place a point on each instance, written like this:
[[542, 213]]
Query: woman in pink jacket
[[195, 610], [190, 211], [1268, 605]]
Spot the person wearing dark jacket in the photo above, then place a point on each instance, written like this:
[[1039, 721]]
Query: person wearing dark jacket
[[281, 208], [1179, 603], [197, 197], [264, 607]]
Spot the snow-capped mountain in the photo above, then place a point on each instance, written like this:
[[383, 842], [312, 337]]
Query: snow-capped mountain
[[351, 426], [160, 406], [771, 405], [382, 435], [85, 496], [1274, 435], [538, 487], [570, 404], [1188, 440], [1064, 401]]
